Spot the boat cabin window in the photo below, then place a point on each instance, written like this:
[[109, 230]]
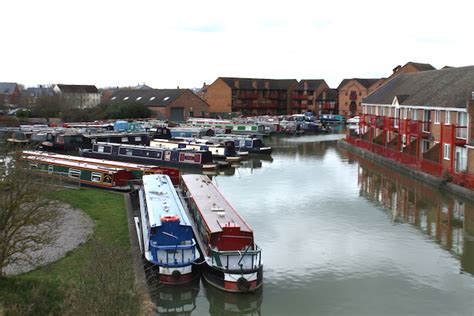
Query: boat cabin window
[[126, 151], [74, 173], [96, 177], [258, 143], [100, 149], [107, 149], [50, 169], [248, 143], [124, 139], [138, 138]]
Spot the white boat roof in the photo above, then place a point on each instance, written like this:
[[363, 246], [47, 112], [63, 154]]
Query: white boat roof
[[118, 164], [162, 199], [70, 163]]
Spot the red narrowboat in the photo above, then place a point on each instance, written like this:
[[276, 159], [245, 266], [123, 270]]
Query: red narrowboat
[[233, 261]]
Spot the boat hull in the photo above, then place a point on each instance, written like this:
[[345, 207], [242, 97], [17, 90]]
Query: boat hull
[[91, 154], [233, 281]]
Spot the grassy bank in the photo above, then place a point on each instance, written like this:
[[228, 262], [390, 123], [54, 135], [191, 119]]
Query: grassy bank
[[102, 265]]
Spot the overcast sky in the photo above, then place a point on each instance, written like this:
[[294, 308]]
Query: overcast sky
[[166, 44]]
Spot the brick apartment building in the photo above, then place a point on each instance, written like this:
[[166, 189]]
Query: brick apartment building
[[250, 96], [306, 95], [351, 93]]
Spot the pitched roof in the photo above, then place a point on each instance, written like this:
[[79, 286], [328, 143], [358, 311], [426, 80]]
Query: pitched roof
[[152, 97], [312, 84], [7, 87], [420, 66], [366, 83], [449, 87], [331, 94], [247, 83], [76, 88]]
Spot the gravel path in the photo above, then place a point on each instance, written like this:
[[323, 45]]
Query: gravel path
[[74, 227]]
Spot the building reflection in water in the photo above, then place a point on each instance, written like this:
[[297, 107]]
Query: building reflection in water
[[447, 219], [225, 303]]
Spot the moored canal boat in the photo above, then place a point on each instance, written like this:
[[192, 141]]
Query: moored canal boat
[[79, 172], [138, 170], [219, 151], [164, 231], [151, 155], [233, 261]]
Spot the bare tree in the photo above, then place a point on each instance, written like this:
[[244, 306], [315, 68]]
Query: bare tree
[[27, 217]]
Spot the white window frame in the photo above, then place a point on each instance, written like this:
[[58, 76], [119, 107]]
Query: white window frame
[[100, 148], [447, 118], [460, 165], [437, 116], [414, 114], [423, 142], [447, 151], [461, 133]]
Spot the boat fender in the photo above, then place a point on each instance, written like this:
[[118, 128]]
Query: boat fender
[[176, 274], [243, 284]]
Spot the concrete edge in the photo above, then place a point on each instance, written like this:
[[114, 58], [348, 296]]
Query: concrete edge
[[432, 181], [147, 305]]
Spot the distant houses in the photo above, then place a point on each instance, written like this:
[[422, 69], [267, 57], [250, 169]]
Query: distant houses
[[9, 93], [78, 96]]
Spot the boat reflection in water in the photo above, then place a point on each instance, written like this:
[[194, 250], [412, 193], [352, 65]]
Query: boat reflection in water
[[225, 303], [174, 300], [445, 218]]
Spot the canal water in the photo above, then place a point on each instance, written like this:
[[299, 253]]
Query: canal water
[[341, 236]]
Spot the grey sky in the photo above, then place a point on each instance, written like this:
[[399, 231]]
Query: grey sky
[[185, 43]]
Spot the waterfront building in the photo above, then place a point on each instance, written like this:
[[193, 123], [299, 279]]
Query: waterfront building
[[306, 94], [78, 96], [423, 119], [176, 105], [351, 93], [328, 102], [250, 96], [410, 67]]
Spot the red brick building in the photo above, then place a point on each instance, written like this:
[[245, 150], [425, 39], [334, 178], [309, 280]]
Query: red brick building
[[423, 119], [306, 94], [351, 93], [250, 96]]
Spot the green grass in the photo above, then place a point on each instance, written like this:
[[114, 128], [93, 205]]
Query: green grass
[[46, 286]]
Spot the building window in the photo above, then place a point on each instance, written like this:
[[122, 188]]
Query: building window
[[437, 117], [460, 163], [203, 113], [446, 151], [447, 118], [191, 114], [461, 130], [414, 115], [425, 146]]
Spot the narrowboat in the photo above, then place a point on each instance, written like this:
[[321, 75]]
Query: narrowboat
[[164, 231], [250, 144], [84, 173], [219, 151], [150, 155], [232, 260], [138, 170]]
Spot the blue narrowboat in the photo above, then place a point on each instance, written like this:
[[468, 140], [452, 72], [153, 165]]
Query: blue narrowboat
[[164, 231], [150, 155]]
